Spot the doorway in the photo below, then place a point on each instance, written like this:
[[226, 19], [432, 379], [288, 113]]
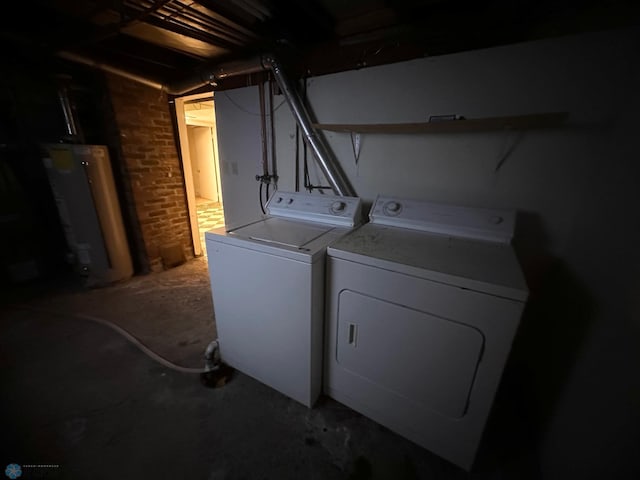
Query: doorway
[[199, 147]]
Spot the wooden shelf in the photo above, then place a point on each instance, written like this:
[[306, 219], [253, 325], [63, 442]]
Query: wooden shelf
[[518, 122]]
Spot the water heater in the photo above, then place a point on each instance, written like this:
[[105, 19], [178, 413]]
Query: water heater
[[84, 191]]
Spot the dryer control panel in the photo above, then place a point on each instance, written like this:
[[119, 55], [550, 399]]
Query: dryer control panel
[[467, 222], [339, 211]]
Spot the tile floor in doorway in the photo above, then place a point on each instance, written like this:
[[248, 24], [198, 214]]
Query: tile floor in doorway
[[210, 216]]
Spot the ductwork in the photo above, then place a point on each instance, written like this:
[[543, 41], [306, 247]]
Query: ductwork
[[213, 74], [327, 163]]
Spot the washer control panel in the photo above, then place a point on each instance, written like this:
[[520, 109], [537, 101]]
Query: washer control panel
[[467, 222], [339, 211]]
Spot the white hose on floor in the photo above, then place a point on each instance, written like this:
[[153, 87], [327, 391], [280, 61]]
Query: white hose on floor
[[146, 350]]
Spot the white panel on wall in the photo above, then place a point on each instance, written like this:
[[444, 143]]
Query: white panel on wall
[[239, 147]]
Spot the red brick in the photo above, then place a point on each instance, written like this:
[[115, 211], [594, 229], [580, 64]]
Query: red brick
[[152, 162]]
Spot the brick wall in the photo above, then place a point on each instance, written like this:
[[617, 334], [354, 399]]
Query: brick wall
[[153, 166]]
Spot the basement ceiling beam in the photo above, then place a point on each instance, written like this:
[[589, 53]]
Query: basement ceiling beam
[[189, 28]]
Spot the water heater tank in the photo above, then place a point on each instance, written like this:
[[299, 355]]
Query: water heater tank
[[82, 183]]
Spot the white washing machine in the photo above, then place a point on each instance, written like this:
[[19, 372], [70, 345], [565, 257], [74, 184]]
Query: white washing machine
[[267, 282], [423, 303]]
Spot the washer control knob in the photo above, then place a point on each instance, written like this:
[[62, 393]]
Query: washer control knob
[[279, 200], [496, 220], [289, 201], [338, 206], [393, 207]]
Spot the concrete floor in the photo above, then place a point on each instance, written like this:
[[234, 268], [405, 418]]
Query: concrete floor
[[78, 395]]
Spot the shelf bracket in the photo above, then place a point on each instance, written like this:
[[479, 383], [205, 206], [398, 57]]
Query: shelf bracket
[[355, 143], [516, 138]]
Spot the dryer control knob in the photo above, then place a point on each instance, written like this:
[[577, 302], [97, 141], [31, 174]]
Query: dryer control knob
[[279, 200], [290, 201], [496, 220], [338, 206]]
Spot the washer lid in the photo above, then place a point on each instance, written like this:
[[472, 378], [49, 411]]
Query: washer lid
[[294, 239], [476, 265], [283, 232]]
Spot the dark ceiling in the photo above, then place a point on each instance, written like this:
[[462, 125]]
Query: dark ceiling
[[165, 40]]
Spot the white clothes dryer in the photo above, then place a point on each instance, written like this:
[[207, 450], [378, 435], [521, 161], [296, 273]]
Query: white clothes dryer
[[423, 304], [267, 283]]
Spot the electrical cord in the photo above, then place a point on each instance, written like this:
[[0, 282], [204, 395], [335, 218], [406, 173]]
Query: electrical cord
[[141, 346], [260, 196]]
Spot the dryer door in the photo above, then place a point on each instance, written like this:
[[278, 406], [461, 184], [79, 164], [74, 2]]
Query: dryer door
[[412, 354], [422, 358]]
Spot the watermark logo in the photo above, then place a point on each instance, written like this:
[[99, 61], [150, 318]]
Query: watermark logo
[[13, 471]]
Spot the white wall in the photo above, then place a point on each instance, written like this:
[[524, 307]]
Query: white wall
[[577, 75], [595, 430], [576, 185]]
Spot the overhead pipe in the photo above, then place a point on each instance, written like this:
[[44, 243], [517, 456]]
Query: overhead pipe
[[105, 67], [212, 75], [67, 110], [327, 163]]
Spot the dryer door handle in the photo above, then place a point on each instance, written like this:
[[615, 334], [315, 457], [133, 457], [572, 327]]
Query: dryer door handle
[[353, 334]]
